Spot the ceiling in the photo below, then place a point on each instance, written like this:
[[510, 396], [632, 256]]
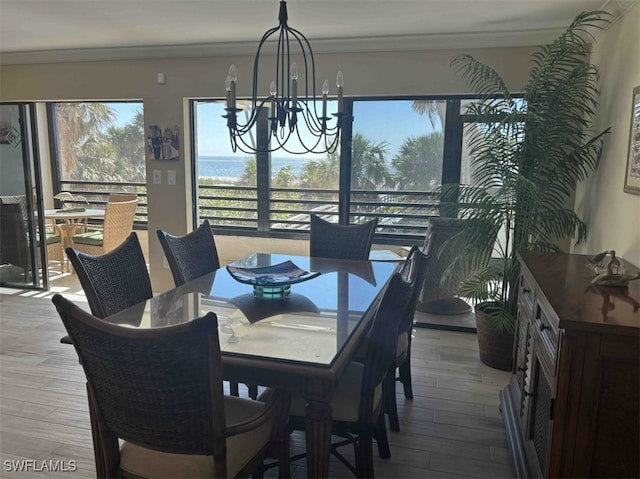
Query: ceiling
[[109, 29]]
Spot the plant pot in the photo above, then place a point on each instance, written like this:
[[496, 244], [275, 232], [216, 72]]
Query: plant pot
[[496, 349]]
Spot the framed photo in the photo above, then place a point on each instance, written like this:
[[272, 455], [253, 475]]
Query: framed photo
[[632, 175]]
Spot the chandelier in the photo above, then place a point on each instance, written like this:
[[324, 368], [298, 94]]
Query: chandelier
[[290, 114]]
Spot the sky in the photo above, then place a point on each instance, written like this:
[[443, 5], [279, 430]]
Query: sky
[[372, 118]]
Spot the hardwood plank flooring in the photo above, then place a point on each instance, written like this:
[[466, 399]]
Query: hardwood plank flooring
[[452, 427]]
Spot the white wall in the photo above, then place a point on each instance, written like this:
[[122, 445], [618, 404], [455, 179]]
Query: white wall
[[612, 215]]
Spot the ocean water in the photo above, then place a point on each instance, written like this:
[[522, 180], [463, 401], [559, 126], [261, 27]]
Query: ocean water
[[231, 168]]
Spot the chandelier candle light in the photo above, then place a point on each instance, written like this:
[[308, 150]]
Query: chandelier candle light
[[290, 114]]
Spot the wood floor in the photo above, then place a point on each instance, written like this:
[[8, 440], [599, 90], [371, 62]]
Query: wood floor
[[452, 428]]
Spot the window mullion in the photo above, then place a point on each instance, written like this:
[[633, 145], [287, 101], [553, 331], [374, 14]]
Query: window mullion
[[344, 194], [263, 171]]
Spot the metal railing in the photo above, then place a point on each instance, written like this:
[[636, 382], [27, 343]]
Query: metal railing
[[401, 214]]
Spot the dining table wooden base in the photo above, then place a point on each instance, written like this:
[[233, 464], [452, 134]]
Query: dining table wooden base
[[318, 427]]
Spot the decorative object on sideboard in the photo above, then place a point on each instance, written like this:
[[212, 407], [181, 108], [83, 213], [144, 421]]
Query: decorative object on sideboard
[[632, 174], [610, 273], [291, 115]]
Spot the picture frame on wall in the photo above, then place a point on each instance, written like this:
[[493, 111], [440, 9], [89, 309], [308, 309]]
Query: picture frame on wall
[[632, 174]]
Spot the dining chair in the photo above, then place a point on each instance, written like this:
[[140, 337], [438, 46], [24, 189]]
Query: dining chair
[[118, 223], [113, 281], [357, 403], [413, 270], [55, 251], [192, 255], [330, 240], [156, 401]]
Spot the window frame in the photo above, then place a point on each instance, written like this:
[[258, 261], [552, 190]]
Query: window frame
[[451, 169], [58, 183]]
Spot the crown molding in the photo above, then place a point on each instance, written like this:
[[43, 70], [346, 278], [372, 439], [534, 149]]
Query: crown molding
[[333, 45], [448, 41]]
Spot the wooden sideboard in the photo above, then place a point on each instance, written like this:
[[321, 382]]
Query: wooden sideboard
[[572, 408]]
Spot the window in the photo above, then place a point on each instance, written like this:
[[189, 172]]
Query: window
[[392, 159], [397, 151], [98, 148], [226, 181]]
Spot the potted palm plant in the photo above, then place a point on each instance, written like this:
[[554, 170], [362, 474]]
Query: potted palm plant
[[528, 152]]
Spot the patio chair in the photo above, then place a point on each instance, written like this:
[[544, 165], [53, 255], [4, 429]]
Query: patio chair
[[114, 281], [120, 197], [118, 223], [352, 242], [14, 237], [192, 255], [357, 404], [156, 401]]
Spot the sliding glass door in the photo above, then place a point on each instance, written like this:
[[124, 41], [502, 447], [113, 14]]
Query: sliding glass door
[[22, 257]]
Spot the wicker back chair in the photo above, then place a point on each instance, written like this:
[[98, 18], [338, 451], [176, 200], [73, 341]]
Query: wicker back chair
[[119, 197], [440, 297], [413, 271], [192, 255], [14, 235], [329, 240], [113, 281], [118, 223], [160, 392], [357, 399]]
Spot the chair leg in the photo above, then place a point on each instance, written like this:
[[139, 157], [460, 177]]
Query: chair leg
[[364, 466], [253, 391], [404, 371], [389, 394], [380, 435], [233, 388], [280, 439]]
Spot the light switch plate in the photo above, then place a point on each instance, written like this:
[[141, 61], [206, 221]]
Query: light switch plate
[[171, 177], [157, 177]]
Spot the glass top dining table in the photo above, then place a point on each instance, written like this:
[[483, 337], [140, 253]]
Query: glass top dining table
[[302, 342]]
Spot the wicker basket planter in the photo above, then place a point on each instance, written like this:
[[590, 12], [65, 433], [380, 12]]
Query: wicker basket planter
[[496, 349]]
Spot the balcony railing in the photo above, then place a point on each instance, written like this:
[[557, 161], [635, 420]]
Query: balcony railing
[[401, 214]]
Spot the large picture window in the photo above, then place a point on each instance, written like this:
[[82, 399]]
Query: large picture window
[[98, 148], [391, 160]]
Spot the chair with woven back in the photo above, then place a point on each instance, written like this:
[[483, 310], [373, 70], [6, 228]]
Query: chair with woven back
[[118, 223], [357, 403], [191, 256], [414, 267], [113, 281], [330, 240], [14, 235], [156, 401]]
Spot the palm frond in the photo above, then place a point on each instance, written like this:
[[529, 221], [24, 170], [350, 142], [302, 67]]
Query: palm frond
[[527, 157]]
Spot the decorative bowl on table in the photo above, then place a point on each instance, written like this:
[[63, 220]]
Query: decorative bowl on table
[[271, 281]]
